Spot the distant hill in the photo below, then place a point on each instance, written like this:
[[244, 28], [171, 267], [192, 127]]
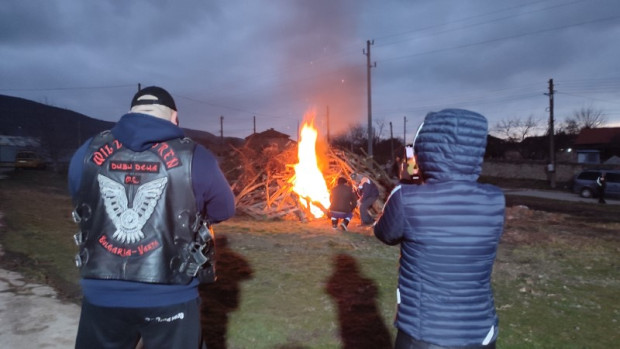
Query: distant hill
[[62, 131]]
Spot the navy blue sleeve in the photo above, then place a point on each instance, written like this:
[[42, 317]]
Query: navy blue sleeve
[[211, 187], [390, 226], [76, 166]]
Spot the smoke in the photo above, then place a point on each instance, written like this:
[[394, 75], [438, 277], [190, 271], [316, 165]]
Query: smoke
[[323, 62]]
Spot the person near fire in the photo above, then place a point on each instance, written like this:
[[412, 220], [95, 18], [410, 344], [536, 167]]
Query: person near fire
[[368, 193], [448, 230], [410, 173], [343, 201], [396, 167], [143, 196], [601, 184]]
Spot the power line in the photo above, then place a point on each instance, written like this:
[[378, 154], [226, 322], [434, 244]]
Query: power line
[[474, 24], [66, 88], [503, 38]]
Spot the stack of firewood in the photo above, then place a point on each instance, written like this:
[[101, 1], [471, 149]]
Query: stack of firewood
[[263, 183]]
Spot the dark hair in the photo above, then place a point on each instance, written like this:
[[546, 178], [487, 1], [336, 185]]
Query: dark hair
[[342, 180]]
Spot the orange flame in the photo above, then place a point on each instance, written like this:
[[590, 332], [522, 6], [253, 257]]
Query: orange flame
[[309, 182]]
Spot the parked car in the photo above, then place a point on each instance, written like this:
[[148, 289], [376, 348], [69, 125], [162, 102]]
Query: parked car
[[29, 159], [584, 183]]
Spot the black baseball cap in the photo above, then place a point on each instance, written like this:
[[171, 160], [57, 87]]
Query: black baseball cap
[[162, 97]]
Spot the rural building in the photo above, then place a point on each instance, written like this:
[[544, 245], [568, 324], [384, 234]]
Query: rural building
[[10, 145], [269, 138], [597, 145]]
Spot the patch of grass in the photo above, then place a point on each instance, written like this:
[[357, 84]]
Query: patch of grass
[[517, 183], [298, 285], [38, 231]]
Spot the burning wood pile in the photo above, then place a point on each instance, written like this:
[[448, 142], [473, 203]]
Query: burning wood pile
[[268, 185]]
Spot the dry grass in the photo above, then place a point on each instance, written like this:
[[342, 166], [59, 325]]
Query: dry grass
[[284, 284]]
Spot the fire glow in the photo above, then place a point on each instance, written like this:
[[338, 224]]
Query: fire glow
[[309, 182]]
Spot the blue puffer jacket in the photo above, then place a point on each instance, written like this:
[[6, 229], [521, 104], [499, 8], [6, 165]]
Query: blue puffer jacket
[[448, 228]]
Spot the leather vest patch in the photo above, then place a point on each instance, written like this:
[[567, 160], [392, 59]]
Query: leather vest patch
[[143, 208], [130, 220]]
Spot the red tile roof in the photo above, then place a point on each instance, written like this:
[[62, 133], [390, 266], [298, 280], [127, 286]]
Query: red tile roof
[[270, 133], [603, 135]]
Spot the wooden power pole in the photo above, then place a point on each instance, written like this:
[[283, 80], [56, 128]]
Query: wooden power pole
[[327, 121], [405, 130], [368, 67], [551, 165], [391, 142], [222, 129]]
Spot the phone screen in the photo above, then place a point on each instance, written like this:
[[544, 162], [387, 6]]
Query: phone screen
[[409, 151]]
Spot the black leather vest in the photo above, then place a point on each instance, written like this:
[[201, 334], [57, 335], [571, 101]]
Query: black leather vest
[[136, 211]]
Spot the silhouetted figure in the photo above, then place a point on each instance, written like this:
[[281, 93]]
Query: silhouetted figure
[[222, 296], [368, 193], [601, 184], [343, 201], [361, 325]]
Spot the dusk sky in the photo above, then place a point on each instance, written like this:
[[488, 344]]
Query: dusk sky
[[276, 59]]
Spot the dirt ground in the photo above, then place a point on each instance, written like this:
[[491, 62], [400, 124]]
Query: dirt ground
[[32, 315]]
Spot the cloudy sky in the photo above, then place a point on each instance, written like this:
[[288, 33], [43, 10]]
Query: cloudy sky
[[273, 60]]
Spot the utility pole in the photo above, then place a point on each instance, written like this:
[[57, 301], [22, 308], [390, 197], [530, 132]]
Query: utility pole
[[391, 142], [368, 66], [327, 121], [139, 87], [551, 165], [405, 130], [222, 129], [254, 124]]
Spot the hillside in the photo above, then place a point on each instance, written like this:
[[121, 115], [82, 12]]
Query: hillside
[[61, 131]]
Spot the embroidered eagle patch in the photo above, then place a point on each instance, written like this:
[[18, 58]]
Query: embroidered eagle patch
[[130, 220]]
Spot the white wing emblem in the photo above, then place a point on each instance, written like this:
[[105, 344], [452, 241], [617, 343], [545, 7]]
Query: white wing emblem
[[129, 221]]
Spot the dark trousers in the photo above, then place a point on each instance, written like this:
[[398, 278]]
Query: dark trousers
[[170, 327], [365, 205], [601, 195], [404, 341]]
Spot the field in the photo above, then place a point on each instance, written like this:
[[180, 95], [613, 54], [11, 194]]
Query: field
[[288, 284]]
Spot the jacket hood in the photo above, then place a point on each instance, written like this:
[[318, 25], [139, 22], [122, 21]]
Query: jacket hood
[[450, 145], [139, 132]]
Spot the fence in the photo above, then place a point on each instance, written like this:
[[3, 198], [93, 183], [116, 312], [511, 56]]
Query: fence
[[564, 172]]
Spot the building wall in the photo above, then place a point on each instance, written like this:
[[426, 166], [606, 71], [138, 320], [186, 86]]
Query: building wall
[[536, 169], [7, 155]]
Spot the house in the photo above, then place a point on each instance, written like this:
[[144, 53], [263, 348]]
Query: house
[[597, 145], [268, 139]]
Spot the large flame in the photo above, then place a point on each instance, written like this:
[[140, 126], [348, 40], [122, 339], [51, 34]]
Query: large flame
[[309, 182]]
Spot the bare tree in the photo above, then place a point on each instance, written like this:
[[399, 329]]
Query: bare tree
[[356, 134], [516, 130], [352, 138], [378, 129], [586, 117], [505, 129], [528, 126]]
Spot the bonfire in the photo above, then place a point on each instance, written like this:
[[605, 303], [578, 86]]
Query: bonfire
[[294, 182]]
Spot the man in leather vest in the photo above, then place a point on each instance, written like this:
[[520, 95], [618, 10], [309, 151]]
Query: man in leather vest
[[144, 197]]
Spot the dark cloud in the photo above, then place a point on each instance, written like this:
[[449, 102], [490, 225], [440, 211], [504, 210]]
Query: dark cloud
[[274, 60]]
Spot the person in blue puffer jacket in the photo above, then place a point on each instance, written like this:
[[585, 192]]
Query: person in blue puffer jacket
[[448, 229]]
